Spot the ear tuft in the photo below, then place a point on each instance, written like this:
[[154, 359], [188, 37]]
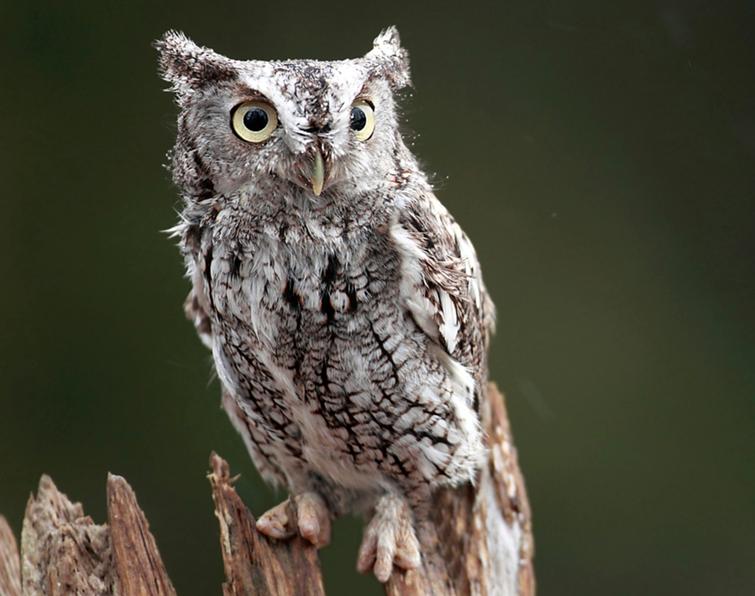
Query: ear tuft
[[391, 57], [189, 67]]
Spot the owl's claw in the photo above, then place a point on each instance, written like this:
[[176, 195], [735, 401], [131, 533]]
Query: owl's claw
[[313, 518], [276, 522], [389, 539], [306, 513]]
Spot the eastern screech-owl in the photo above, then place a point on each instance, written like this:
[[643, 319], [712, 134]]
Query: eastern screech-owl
[[343, 305]]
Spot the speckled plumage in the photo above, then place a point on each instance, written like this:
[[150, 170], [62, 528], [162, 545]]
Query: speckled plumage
[[350, 329]]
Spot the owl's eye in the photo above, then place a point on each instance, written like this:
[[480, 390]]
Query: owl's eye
[[254, 121], [362, 120]]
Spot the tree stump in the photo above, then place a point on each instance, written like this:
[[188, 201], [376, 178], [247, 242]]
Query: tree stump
[[477, 542]]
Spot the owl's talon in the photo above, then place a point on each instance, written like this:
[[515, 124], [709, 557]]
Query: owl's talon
[[276, 522], [306, 512], [389, 539], [313, 518]]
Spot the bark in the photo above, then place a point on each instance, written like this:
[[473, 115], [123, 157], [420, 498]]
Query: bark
[[138, 566], [253, 563], [477, 542], [64, 552]]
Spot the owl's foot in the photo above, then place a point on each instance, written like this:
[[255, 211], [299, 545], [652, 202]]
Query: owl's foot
[[306, 513], [389, 539]]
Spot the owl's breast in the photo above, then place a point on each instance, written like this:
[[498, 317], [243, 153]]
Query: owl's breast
[[295, 303], [316, 342]]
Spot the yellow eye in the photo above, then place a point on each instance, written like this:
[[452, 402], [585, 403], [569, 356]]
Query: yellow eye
[[362, 120], [254, 121]]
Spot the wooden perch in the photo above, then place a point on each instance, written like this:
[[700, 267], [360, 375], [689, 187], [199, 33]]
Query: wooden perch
[[253, 563], [478, 541], [64, 552], [138, 565]]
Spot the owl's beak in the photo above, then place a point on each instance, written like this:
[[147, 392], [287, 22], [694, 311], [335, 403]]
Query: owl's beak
[[317, 175]]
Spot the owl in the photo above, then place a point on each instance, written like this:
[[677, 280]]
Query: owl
[[343, 305]]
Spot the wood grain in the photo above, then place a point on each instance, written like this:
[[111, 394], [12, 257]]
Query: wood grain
[[253, 563], [62, 550], [136, 560]]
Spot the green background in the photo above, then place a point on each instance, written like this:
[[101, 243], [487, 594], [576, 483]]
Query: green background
[[600, 155]]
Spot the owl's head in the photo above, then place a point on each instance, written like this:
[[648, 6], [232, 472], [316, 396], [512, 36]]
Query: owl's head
[[318, 125]]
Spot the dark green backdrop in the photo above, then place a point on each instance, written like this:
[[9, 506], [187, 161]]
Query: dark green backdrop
[[600, 155]]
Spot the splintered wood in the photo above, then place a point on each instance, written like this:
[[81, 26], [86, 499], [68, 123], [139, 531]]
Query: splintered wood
[[139, 568], [477, 542], [64, 552], [253, 563]]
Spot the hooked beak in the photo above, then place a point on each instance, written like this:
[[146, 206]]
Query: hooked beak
[[317, 175]]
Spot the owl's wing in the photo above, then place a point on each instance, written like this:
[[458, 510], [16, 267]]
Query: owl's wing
[[441, 283], [197, 314], [194, 247]]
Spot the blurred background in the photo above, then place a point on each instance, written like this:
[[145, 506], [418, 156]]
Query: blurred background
[[599, 154]]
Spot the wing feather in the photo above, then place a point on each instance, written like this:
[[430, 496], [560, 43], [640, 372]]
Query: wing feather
[[442, 284]]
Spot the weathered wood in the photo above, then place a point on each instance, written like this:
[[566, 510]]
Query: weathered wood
[[137, 561], [10, 566], [253, 563], [479, 539], [62, 550]]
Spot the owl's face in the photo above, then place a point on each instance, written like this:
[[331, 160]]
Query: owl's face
[[321, 126]]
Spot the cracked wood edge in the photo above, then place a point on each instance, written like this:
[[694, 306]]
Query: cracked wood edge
[[254, 564], [62, 550], [136, 559], [479, 538]]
